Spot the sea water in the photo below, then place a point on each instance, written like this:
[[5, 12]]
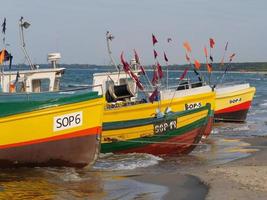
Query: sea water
[[111, 176]]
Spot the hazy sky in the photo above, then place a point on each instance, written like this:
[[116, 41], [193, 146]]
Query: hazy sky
[[77, 28]]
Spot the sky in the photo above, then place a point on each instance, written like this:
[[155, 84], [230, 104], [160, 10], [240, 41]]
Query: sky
[[77, 29]]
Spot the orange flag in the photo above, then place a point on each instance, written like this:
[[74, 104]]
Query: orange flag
[[187, 46], [197, 64], [2, 56], [209, 67], [206, 51]]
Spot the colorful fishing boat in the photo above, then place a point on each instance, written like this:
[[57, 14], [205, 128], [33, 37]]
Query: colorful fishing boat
[[50, 129], [41, 125], [233, 102], [173, 133]]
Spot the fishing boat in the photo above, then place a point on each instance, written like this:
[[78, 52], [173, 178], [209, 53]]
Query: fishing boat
[[233, 102], [130, 117], [173, 133], [42, 125]]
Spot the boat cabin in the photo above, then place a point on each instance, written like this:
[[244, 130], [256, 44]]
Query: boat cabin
[[117, 86]]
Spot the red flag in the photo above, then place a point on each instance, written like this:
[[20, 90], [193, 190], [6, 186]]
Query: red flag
[[209, 67], [154, 96], [155, 54], [136, 57], [165, 57], [126, 66], [142, 69], [206, 51], [232, 56], [212, 43], [137, 81], [197, 64], [160, 72], [187, 57], [155, 78], [184, 74], [187, 46], [154, 39]]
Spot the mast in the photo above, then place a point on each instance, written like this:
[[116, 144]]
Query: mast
[[22, 25]]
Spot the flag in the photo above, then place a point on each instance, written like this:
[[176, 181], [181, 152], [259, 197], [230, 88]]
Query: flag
[[160, 72], [232, 56], [211, 58], [154, 96], [154, 39], [212, 43], [187, 57], [226, 46], [4, 27], [165, 57], [169, 40], [142, 69], [155, 54], [2, 56], [206, 51], [155, 78], [137, 81], [183, 74], [197, 64], [126, 66], [136, 57], [187, 46], [209, 67]]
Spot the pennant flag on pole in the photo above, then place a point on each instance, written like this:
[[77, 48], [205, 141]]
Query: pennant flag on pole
[[187, 46], [155, 54], [154, 96], [165, 57], [183, 74], [211, 58], [126, 66], [2, 56], [226, 46], [4, 27], [232, 56], [187, 57], [154, 39], [206, 51], [209, 67], [155, 78], [142, 69], [136, 57], [197, 64], [137, 81], [212, 43], [160, 72]]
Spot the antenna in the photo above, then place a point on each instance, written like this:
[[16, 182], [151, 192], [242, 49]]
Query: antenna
[[24, 25]]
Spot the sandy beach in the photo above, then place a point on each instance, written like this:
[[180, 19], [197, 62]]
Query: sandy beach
[[245, 178]]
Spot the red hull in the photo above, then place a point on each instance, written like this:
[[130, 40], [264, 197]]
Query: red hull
[[182, 144], [236, 113], [208, 128]]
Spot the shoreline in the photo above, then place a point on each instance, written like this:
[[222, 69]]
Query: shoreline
[[244, 178]]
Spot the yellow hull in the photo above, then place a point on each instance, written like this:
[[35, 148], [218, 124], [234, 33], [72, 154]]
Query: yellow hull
[[233, 104], [148, 110], [58, 135]]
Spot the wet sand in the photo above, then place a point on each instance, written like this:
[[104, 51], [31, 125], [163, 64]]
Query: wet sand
[[245, 178]]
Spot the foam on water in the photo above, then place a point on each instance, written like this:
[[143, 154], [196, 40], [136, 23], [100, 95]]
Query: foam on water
[[129, 161]]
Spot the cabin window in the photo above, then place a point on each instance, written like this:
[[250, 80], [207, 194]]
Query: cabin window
[[40, 85]]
